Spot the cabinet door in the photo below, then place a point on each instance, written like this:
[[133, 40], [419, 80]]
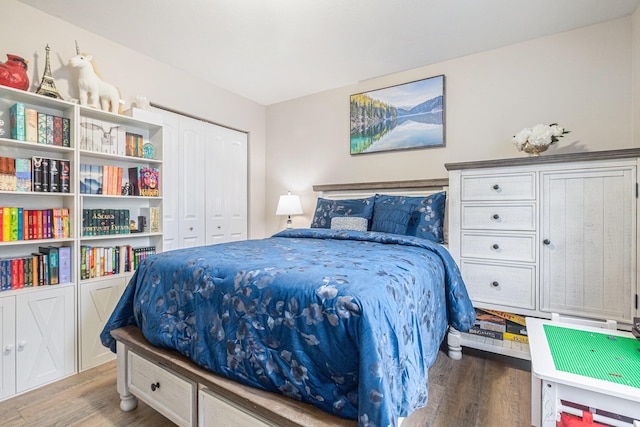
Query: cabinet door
[[97, 301], [7, 340], [588, 241], [45, 336]]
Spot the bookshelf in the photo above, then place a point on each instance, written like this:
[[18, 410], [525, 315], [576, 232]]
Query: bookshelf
[[79, 307]]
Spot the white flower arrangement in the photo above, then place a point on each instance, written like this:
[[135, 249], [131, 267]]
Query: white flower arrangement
[[539, 136]]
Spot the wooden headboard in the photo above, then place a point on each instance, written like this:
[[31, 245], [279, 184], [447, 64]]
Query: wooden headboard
[[366, 189], [419, 187]]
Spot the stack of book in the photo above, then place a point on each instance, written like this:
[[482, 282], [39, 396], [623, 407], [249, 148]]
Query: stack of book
[[50, 175], [98, 222], [106, 261], [51, 265], [31, 125], [98, 179], [500, 325]]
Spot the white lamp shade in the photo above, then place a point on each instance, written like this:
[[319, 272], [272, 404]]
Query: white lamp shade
[[289, 205]]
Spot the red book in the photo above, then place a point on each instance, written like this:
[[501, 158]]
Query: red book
[[20, 273], [14, 274], [57, 131]]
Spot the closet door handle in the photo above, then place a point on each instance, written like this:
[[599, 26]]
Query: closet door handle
[[495, 284], [495, 246], [546, 241], [496, 216], [496, 187]]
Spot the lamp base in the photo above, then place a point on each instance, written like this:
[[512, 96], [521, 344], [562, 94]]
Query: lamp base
[[289, 223]]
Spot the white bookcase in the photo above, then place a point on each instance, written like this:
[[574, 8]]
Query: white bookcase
[[68, 316]]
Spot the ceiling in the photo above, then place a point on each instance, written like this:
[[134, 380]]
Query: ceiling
[[275, 50]]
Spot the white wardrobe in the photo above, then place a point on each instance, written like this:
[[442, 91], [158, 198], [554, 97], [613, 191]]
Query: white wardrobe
[[205, 182]]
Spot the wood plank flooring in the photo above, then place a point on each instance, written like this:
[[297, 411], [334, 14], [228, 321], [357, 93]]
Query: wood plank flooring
[[481, 390]]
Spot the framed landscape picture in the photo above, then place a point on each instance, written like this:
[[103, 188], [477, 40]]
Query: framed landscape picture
[[401, 117]]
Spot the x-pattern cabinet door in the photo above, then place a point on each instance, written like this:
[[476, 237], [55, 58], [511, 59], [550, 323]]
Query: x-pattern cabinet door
[[7, 340], [45, 336]]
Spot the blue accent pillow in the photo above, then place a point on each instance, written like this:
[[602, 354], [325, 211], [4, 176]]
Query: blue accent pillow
[[411, 216], [391, 214], [327, 209]]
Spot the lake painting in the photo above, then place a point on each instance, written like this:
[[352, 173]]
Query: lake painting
[[400, 117]]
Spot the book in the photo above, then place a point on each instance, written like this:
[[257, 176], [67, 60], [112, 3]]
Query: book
[[489, 321], [66, 132], [65, 176], [508, 316], [64, 264], [54, 176], [13, 224], [96, 179], [476, 330], [145, 181], [57, 131], [49, 129], [516, 328], [36, 174], [23, 175], [42, 128], [44, 163], [53, 263], [6, 224], [31, 125], [515, 337], [17, 117]]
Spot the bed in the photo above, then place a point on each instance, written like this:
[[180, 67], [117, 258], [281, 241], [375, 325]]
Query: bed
[[337, 315]]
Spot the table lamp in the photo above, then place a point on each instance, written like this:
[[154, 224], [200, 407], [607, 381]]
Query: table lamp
[[289, 205]]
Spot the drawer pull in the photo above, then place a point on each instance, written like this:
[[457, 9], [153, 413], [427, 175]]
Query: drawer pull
[[546, 241], [495, 284], [496, 216], [155, 386], [496, 187], [495, 246]]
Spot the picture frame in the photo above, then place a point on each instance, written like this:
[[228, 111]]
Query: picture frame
[[401, 117]]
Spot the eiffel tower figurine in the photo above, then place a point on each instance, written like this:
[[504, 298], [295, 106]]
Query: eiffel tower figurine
[[48, 86]]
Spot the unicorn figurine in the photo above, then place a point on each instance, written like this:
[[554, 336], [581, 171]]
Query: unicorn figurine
[[94, 91]]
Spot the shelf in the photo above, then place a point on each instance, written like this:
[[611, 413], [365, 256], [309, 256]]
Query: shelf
[[505, 347], [119, 236], [108, 156], [36, 193], [36, 242], [118, 196], [14, 143]]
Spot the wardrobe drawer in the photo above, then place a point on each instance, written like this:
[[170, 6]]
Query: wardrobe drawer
[[520, 186], [499, 247], [509, 285], [165, 391], [499, 217]]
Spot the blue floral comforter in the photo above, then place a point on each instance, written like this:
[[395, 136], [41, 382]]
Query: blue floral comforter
[[348, 321]]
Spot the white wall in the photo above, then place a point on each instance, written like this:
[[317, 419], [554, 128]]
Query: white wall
[[581, 79], [26, 31]]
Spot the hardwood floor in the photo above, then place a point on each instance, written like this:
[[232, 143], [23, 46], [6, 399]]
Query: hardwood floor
[[481, 390]]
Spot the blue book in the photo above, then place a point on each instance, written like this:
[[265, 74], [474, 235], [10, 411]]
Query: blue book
[[64, 264], [20, 224]]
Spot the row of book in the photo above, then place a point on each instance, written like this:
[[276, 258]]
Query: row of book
[[500, 325], [105, 137], [98, 222], [51, 265], [34, 224], [106, 261], [98, 179], [37, 174], [31, 125]]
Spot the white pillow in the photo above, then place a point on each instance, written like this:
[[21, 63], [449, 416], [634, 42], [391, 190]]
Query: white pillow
[[354, 223]]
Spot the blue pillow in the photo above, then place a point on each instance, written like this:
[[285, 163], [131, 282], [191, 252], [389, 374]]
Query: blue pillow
[[412, 216], [427, 221], [391, 214], [327, 209]]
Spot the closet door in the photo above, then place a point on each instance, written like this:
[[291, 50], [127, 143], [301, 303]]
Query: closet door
[[192, 169], [171, 187], [226, 202]]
